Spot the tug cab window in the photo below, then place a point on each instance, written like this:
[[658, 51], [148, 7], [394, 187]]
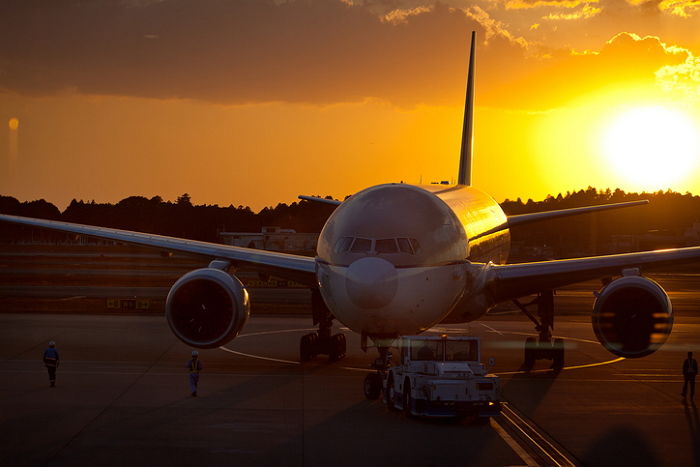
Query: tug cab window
[[461, 351], [426, 350]]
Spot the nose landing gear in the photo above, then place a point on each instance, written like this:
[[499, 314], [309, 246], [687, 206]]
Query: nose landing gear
[[321, 342], [374, 381], [543, 348]]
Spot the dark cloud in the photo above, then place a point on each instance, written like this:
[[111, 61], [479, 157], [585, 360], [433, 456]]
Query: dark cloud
[[312, 51], [236, 51]]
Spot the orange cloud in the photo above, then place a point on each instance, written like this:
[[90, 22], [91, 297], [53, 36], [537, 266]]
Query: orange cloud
[[587, 11], [493, 27], [624, 60], [526, 4], [682, 8], [401, 15], [682, 78]]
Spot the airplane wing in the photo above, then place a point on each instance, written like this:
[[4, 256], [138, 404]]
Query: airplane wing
[[295, 267], [521, 219], [334, 202], [516, 280]]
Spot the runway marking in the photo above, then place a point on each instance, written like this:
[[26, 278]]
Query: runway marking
[[242, 354], [491, 329], [575, 339], [643, 374], [529, 461], [266, 333], [352, 368], [368, 370], [574, 367], [530, 432]]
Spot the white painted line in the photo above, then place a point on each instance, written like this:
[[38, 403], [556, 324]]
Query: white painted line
[[77, 297], [279, 360], [366, 370], [491, 329], [531, 428], [529, 461], [266, 333]]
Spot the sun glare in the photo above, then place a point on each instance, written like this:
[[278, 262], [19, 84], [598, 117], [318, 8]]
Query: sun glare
[[652, 147]]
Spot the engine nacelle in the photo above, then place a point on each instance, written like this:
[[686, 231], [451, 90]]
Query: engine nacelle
[[632, 316], [207, 308]]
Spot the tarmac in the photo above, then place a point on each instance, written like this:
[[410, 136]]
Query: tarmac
[[122, 395], [122, 398]]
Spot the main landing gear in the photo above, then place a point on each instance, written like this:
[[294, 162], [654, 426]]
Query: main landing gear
[[543, 348], [321, 342], [373, 381]]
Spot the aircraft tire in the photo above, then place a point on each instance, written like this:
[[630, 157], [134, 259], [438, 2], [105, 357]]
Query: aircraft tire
[[306, 350], [558, 354], [390, 394], [530, 349], [406, 397], [338, 347], [372, 386]]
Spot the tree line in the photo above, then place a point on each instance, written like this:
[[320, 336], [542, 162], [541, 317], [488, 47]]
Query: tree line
[[179, 218], [669, 215]]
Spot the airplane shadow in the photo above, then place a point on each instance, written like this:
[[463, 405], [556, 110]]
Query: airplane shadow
[[368, 434], [527, 390], [693, 419], [621, 446], [174, 432]]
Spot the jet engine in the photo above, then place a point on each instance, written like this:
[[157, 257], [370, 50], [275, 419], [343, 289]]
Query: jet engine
[[632, 316], [207, 307]]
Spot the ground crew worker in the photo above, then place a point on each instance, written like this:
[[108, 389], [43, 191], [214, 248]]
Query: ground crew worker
[[690, 371], [195, 366], [51, 362]]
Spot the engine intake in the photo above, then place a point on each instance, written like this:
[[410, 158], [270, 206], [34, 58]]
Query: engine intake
[[632, 317], [207, 307]]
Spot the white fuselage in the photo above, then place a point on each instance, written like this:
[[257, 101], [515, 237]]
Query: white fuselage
[[396, 259]]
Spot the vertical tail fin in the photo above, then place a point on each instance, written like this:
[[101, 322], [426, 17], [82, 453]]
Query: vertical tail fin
[[465, 158]]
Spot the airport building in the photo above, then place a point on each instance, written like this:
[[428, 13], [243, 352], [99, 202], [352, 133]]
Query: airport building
[[274, 239]]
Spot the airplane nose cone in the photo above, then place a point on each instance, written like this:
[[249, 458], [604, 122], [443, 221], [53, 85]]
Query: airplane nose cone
[[371, 282]]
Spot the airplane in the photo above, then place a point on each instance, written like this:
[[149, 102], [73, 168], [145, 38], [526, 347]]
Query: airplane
[[396, 259]]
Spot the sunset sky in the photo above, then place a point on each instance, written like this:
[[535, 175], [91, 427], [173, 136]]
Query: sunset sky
[[253, 102]]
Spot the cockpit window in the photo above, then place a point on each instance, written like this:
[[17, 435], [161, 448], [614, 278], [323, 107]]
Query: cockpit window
[[404, 245], [381, 246], [361, 245], [343, 244], [385, 245], [415, 245]]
